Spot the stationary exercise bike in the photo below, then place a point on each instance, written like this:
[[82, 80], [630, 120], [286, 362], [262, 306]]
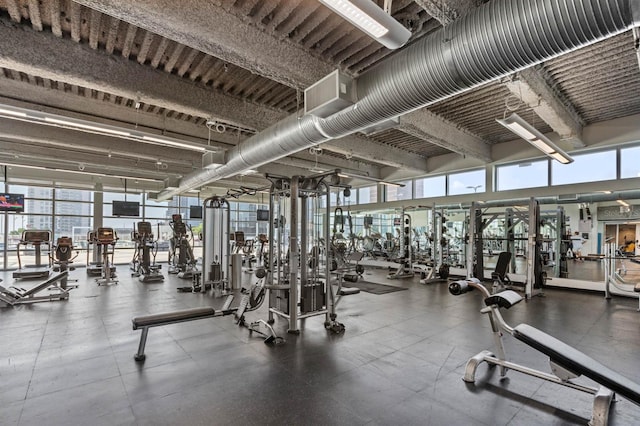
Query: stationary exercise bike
[[144, 264]]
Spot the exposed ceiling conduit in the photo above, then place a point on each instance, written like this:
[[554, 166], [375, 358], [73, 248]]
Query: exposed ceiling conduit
[[496, 39]]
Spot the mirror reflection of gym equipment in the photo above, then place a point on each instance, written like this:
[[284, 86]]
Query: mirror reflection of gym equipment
[[181, 259], [144, 264]]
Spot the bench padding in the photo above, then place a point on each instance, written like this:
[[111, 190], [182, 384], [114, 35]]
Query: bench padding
[[577, 362], [171, 317], [505, 299]]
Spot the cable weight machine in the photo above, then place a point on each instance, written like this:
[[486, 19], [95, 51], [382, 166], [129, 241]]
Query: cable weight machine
[[299, 273], [216, 260]]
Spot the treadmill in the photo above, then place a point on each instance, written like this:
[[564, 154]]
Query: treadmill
[[38, 239]]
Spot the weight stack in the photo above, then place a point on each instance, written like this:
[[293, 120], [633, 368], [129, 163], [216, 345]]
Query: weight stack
[[313, 298]]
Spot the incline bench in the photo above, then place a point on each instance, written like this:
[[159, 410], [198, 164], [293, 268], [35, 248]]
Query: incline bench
[[157, 320], [566, 362], [16, 295]]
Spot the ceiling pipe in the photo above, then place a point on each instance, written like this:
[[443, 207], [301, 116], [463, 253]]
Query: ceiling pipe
[[493, 41]]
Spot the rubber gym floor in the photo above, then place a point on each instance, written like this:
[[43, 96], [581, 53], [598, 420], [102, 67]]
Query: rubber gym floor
[[399, 362]]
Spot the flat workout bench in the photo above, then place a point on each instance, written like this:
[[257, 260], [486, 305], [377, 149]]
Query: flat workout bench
[[567, 362], [157, 320]]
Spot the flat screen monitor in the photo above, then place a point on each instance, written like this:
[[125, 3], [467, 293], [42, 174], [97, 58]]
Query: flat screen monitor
[[195, 212], [368, 220], [263, 215], [12, 203], [397, 221], [126, 208]]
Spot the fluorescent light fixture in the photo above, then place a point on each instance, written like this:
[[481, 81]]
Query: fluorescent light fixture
[[368, 178], [526, 131], [12, 112], [173, 142], [78, 124], [367, 16], [38, 117]]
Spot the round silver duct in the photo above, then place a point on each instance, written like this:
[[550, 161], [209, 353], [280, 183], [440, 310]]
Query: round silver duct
[[496, 39]]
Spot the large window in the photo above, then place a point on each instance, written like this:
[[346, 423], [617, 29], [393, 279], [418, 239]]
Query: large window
[[398, 193], [591, 167], [630, 162], [435, 186], [522, 175], [368, 194], [467, 182]]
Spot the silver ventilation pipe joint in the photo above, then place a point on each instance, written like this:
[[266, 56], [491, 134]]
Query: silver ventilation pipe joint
[[495, 40]]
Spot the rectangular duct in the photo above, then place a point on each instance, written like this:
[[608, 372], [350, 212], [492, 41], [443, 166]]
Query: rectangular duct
[[329, 95]]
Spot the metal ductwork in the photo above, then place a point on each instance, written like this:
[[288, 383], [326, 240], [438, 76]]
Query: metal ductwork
[[495, 40]]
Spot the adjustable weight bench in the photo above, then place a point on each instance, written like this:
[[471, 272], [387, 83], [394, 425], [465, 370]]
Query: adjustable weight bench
[[17, 295], [157, 320], [567, 363]]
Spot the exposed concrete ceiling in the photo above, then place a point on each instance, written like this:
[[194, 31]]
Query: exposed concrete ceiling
[[170, 67]]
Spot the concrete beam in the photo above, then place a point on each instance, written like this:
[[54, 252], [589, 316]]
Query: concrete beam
[[355, 146], [447, 11], [247, 46], [426, 125], [206, 26], [119, 76], [68, 142], [531, 87], [28, 51]]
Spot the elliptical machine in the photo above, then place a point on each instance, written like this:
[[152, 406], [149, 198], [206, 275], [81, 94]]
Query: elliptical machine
[[62, 258], [181, 259], [144, 264], [106, 238]]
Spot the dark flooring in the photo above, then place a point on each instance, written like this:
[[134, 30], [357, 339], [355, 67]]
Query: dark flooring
[[399, 362]]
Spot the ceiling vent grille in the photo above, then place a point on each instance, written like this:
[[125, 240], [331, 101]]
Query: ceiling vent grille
[[329, 95]]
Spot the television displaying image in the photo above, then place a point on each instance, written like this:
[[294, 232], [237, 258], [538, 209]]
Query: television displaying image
[[126, 208], [12, 203], [263, 215], [195, 212]]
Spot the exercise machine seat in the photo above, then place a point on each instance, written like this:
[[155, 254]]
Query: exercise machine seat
[[505, 299], [172, 317], [577, 362], [500, 272]]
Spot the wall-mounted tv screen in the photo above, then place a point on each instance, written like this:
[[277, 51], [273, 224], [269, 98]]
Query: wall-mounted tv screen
[[263, 215], [126, 208], [12, 203], [397, 221], [368, 220], [195, 212]]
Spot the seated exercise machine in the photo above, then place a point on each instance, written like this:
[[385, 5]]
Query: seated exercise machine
[[567, 363], [107, 238], [144, 264], [38, 239], [17, 295], [63, 258], [251, 300], [181, 259]]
